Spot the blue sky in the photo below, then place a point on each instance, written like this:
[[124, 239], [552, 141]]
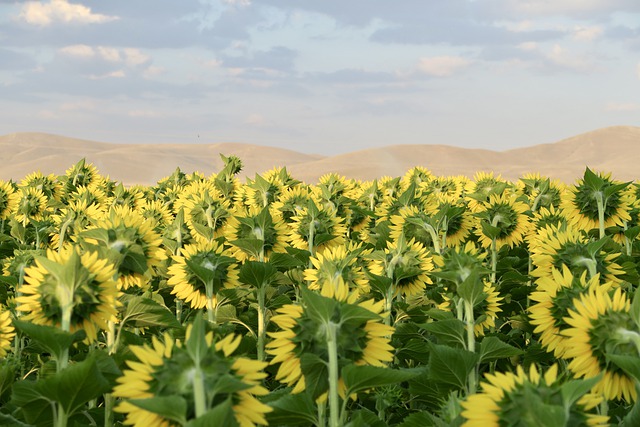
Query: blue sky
[[322, 76]]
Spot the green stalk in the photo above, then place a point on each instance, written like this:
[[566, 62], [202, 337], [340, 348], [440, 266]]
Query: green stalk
[[312, 232], [494, 261], [601, 207], [434, 237], [471, 342], [211, 314], [199, 394], [63, 232], [334, 376], [67, 311], [322, 414], [261, 322]]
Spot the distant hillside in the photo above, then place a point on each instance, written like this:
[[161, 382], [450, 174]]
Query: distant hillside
[[613, 149]]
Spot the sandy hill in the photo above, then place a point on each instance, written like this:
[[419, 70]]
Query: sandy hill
[[612, 149]]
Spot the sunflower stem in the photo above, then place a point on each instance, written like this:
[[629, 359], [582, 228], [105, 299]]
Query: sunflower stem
[[63, 232], [601, 206], [199, 394], [434, 237], [261, 322], [471, 341], [322, 414], [211, 313], [494, 261], [334, 375]]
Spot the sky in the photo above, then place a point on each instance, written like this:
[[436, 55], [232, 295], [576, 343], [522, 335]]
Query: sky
[[320, 76]]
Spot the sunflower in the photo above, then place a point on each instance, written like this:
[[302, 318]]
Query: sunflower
[[551, 301], [581, 201], [257, 225], [166, 369], [554, 247], [31, 204], [260, 192], [547, 216], [49, 184], [445, 186], [363, 340], [454, 218], [188, 281], [413, 223], [134, 243], [157, 211], [122, 196], [505, 400], [73, 218], [316, 228], [505, 216], [540, 191], [7, 331], [92, 194], [337, 272], [80, 174], [8, 200], [70, 283], [407, 264], [487, 309], [599, 326], [205, 210], [483, 186]]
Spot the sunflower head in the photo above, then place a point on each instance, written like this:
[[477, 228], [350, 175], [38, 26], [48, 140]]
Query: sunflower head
[[131, 242], [202, 371], [600, 328], [362, 338], [80, 284], [200, 271], [523, 398], [7, 331], [256, 233], [502, 219]]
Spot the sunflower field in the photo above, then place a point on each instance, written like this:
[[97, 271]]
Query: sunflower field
[[407, 301]]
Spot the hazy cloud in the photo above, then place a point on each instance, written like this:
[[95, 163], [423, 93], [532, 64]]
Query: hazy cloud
[[442, 66], [44, 14]]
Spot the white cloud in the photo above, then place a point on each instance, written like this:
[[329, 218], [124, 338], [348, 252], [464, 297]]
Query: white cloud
[[239, 3], [442, 66], [135, 56], [78, 50], [563, 58], [114, 74], [587, 34], [110, 54], [255, 119], [628, 106], [149, 114], [44, 14], [152, 71], [638, 70]]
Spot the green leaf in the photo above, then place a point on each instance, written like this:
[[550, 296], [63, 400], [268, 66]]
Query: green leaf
[[220, 416], [365, 418], [285, 261], [319, 308], [492, 348], [316, 374], [292, 410], [252, 247], [451, 365], [257, 274], [538, 413], [472, 288], [76, 385], [489, 230], [145, 312], [632, 232], [573, 390], [632, 418], [170, 407], [422, 419], [9, 421], [635, 308], [592, 180], [361, 378], [448, 331], [136, 262], [629, 364], [36, 408], [54, 340]]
